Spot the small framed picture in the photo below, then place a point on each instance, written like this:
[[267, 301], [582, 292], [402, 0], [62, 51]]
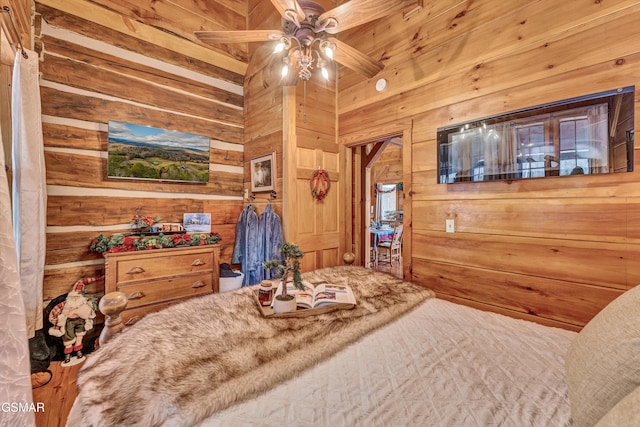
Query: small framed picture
[[197, 223], [263, 173]]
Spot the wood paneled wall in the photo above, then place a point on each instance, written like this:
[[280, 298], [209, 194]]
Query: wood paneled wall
[[263, 106], [275, 122], [91, 74], [21, 14], [388, 167], [550, 250]]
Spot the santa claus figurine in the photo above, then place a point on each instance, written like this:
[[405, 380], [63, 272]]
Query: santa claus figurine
[[71, 320]]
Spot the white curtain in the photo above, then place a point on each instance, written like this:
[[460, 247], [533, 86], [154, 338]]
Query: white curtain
[[598, 139], [15, 368], [492, 141], [508, 154], [385, 200], [29, 186]]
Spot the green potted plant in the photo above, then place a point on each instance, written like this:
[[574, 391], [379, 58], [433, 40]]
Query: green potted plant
[[290, 262]]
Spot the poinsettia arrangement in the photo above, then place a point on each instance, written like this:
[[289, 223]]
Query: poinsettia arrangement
[[144, 221], [122, 243]]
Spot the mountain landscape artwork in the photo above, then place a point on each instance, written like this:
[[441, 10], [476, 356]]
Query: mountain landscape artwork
[[145, 152]]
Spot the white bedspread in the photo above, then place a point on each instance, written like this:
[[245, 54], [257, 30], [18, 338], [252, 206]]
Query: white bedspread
[[443, 364]]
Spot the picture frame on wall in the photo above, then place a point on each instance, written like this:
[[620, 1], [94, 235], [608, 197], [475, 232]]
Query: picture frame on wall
[[263, 173], [145, 152], [197, 222]]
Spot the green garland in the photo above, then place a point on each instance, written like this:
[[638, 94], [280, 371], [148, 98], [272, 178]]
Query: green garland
[[122, 243]]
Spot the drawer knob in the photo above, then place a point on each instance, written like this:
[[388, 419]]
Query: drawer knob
[[136, 270], [136, 295], [198, 262], [198, 284]]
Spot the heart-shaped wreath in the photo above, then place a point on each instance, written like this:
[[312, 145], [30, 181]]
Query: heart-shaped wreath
[[320, 184]]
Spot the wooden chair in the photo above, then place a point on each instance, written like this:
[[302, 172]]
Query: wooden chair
[[392, 249], [373, 258]]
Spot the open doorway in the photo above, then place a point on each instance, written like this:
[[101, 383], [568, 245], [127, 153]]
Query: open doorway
[[378, 203]]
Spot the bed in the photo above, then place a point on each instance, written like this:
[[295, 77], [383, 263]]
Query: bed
[[401, 358]]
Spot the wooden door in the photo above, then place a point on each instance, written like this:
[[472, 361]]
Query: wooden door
[[315, 225]]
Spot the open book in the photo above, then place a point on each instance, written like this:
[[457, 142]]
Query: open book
[[320, 295]]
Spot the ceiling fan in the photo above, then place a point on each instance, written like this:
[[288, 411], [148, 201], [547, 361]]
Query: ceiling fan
[[306, 30]]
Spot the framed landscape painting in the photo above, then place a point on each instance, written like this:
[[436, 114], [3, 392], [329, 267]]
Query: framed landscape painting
[[145, 152], [263, 173]]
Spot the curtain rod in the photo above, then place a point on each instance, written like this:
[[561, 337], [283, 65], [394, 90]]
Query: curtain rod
[[6, 10]]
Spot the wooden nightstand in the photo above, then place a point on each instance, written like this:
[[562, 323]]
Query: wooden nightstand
[[155, 279]]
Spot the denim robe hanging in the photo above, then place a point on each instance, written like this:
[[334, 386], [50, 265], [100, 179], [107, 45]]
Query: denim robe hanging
[[270, 240], [246, 248]]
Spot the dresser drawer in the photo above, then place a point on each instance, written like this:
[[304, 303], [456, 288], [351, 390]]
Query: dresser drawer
[[135, 269], [144, 293], [155, 279]]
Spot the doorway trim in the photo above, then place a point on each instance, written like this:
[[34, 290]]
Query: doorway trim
[[354, 199]]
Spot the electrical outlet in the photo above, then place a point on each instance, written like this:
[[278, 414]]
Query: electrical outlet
[[450, 226]]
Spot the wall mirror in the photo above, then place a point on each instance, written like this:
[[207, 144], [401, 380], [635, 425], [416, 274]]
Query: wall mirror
[[591, 134]]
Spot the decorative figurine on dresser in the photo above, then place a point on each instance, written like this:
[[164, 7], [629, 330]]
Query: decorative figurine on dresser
[[71, 320]]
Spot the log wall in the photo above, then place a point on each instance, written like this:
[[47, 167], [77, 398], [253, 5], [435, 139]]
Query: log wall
[[552, 250], [92, 73]]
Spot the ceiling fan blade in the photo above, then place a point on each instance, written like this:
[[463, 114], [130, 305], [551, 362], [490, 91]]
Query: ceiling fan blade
[[213, 37], [355, 60], [283, 5], [357, 12]]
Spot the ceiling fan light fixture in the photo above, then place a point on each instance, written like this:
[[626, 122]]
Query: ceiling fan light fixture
[[312, 26], [279, 47], [329, 52], [328, 48], [285, 70], [325, 73]]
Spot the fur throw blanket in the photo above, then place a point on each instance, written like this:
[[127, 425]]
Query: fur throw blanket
[[182, 364]]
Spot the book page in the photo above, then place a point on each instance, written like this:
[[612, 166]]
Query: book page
[[304, 298], [328, 293]]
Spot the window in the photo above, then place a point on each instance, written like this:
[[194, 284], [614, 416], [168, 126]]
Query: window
[[386, 202], [531, 149], [573, 147]]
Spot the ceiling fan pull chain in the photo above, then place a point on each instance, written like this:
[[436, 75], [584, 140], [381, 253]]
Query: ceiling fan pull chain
[[305, 101]]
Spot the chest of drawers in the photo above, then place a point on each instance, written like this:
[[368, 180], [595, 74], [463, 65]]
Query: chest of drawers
[[157, 278]]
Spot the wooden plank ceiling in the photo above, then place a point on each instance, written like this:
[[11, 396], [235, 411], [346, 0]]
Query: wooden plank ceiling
[[170, 24]]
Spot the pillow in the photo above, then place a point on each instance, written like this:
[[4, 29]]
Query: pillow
[[625, 414], [603, 362]]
